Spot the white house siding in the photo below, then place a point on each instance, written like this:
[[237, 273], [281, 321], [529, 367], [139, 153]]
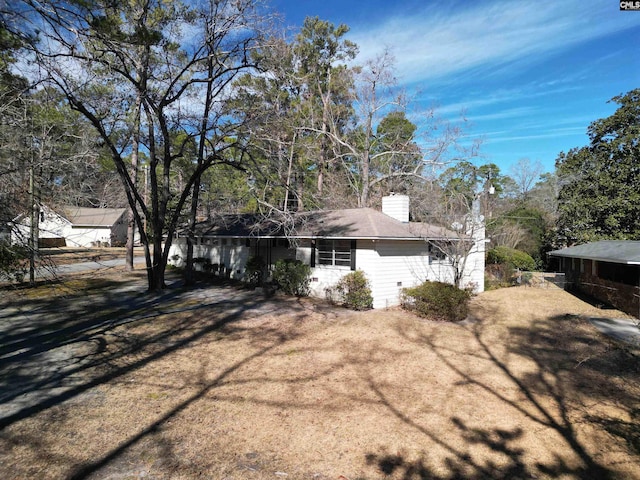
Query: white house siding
[[88, 236], [233, 255], [473, 275], [382, 272], [178, 252], [51, 226], [235, 258], [20, 233], [394, 265], [322, 276], [325, 276], [389, 265], [56, 226]]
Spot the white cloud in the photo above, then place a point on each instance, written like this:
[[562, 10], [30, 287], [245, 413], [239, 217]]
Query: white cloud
[[431, 44], [508, 113], [555, 133]]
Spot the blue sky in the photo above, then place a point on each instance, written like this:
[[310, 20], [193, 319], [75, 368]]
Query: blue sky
[[529, 75]]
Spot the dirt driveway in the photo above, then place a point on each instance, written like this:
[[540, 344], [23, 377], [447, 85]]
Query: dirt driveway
[[102, 381]]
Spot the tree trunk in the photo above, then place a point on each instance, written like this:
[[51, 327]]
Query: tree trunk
[[287, 192], [155, 273], [364, 194], [300, 191], [34, 227], [324, 141], [131, 219], [188, 273]]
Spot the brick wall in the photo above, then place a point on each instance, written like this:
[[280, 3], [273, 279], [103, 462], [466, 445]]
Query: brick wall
[[621, 296]]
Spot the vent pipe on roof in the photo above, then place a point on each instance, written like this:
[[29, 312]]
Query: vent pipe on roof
[[396, 206]]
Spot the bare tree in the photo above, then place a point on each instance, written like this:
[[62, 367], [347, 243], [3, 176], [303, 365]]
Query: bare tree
[[525, 174], [361, 152], [460, 240], [381, 148], [545, 193], [290, 112], [509, 234], [373, 99], [84, 46]]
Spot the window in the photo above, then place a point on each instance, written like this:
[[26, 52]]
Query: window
[[436, 252], [334, 252], [619, 273]]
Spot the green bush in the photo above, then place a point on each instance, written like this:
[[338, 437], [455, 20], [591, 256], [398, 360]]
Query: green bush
[[354, 291], [511, 257], [292, 276], [437, 301]]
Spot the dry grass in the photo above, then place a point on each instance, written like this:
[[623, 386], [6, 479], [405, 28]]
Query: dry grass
[[67, 255], [192, 387]]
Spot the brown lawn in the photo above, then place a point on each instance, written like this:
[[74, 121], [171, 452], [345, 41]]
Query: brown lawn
[[220, 384], [66, 255]]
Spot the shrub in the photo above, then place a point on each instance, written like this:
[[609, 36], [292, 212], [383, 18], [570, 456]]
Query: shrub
[[437, 301], [255, 269], [498, 276], [515, 259], [292, 276], [502, 263], [12, 261], [354, 291]]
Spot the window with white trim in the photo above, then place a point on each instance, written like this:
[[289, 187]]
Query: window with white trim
[[334, 252]]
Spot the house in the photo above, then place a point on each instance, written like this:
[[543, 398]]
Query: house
[[74, 227], [608, 270], [392, 252]]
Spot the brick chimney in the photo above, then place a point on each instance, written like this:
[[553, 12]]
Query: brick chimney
[[396, 206]]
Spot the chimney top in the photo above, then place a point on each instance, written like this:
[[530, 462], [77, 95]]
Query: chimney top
[[396, 206]]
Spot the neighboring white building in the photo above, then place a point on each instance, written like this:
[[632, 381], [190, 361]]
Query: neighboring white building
[[74, 227], [392, 252]]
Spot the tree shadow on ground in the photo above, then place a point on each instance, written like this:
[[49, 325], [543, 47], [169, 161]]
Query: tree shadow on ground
[[40, 350], [574, 366], [109, 353]]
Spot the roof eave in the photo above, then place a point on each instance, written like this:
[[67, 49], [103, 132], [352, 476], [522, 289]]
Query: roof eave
[[79, 225], [330, 237], [595, 258]]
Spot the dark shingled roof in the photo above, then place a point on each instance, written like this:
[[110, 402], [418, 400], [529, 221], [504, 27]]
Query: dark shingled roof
[[614, 251], [365, 223]]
